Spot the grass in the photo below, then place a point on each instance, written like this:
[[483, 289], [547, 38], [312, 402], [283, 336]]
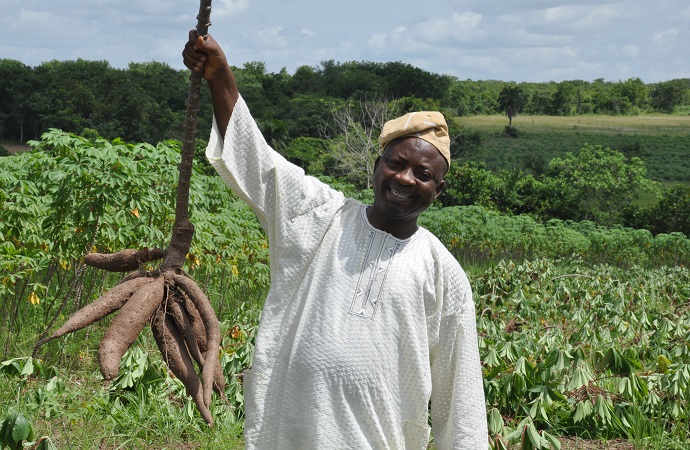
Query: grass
[[609, 125], [77, 410]]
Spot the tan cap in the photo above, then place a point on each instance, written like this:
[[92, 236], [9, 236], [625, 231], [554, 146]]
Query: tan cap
[[427, 125]]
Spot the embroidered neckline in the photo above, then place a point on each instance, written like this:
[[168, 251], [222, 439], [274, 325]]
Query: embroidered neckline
[[365, 219]]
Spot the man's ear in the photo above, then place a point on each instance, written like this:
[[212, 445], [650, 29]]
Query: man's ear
[[376, 163], [439, 188]]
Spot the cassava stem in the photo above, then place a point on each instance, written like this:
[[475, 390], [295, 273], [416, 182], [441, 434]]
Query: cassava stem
[[183, 230], [141, 295]]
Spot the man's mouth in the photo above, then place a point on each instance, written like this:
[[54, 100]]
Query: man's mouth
[[400, 195]]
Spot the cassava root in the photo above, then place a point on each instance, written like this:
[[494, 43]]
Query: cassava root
[[124, 260], [183, 323]]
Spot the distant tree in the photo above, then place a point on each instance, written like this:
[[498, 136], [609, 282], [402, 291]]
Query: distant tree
[[540, 100], [17, 82], [305, 80], [634, 90], [307, 115], [275, 131], [472, 97], [470, 184], [307, 152], [511, 100], [669, 94], [564, 100]]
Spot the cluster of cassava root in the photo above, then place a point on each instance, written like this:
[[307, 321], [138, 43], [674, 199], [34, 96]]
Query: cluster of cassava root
[[182, 320]]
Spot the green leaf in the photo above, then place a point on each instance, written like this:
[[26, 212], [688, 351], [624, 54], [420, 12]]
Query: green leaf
[[582, 411], [552, 440], [6, 425], [45, 444], [496, 422], [22, 430]]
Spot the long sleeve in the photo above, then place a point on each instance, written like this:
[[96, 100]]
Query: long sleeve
[[458, 410], [277, 190]]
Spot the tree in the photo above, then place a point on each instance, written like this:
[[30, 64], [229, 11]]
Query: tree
[[596, 184], [17, 82], [671, 213], [511, 100], [669, 94], [358, 125], [564, 101]]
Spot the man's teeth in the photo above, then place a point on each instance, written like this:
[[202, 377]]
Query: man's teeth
[[399, 194]]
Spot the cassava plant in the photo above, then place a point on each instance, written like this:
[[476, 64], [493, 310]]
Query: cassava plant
[[181, 317]]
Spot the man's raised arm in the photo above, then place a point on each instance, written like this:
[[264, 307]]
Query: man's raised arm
[[202, 53]]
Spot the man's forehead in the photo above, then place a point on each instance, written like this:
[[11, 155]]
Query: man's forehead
[[408, 146]]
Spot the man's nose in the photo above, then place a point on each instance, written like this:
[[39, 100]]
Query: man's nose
[[405, 176]]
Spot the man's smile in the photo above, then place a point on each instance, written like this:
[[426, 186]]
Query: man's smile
[[399, 194]]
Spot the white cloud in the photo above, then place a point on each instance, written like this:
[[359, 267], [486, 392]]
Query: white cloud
[[663, 37]]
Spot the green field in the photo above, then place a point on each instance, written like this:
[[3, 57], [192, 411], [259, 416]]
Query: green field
[[661, 141]]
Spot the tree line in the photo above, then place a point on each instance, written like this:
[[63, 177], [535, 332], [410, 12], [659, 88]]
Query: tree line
[[326, 119], [145, 102]]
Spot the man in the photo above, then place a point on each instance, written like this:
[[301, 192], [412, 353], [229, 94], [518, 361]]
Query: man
[[369, 318]]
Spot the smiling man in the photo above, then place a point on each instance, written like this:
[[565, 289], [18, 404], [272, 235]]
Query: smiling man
[[369, 319]]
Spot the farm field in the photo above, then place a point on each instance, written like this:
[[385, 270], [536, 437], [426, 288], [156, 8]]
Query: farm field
[[661, 141], [659, 124], [594, 357], [583, 329]]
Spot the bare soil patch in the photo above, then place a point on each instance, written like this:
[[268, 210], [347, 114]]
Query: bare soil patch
[[16, 148], [568, 443]]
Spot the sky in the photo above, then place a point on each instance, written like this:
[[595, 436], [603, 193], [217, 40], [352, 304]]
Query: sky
[[519, 40]]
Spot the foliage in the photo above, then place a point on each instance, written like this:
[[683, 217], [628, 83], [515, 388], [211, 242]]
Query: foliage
[[670, 214], [660, 141], [595, 183], [478, 236], [582, 328], [141, 408], [668, 95], [145, 102], [70, 195], [591, 351]]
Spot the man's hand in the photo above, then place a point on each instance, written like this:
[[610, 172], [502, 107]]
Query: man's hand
[[202, 53]]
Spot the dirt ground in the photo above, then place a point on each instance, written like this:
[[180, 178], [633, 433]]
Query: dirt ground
[[16, 148], [580, 444]]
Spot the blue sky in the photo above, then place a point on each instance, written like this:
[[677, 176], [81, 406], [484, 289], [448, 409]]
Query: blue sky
[[523, 40]]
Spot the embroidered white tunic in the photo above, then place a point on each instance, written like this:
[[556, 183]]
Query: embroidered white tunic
[[360, 330]]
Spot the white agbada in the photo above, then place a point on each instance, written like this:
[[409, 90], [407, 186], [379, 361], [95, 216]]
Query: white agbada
[[360, 330]]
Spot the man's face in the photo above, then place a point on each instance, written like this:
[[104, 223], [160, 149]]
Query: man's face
[[408, 177]]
